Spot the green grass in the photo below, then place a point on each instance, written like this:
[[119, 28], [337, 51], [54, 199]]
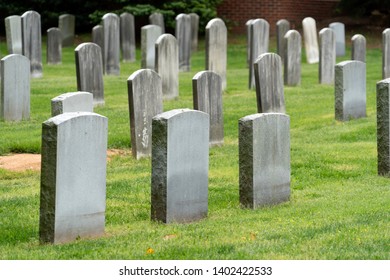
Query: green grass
[[339, 207]]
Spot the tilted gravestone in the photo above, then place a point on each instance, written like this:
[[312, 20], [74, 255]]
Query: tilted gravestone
[[350, 90], [89, 71], [15, 92], [73, 177], [358, 48], [264, 159], [54, 46], [207, 94], [194, 31], [167, 65], [248, 40], [327, 56], [79, 101], [383, 126], [111, 49], [269, 84], [310, 39], [180, 161], [32, 41], [386, 53], [13, 32], [127, 34], [183, 36], [259, 45], [216, 48], [67, 23], [282, 26], [339, 36], [149, 36], [292, 58], [145, 102], [157, 19]]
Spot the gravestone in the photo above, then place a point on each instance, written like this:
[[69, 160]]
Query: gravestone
[[248, 25], [13, 32], [327, 56], [127, 30], [111, 44], [73, 177], [32, 41], [269, 84], [207, 93], [339, 35], [350, 90], [149, 36], [167, 65], [89, 70], [180, 161], [383, 126], [264, 159], [66, 23], [54, 46], [259, 45], [79, 101], [292, 58], [282, 26], [386, 53], [183, 36], [157, 19], [310, 39], [358, 48], [145, 102], [194, 31], [98, 36], [216, 48], [15, 92]]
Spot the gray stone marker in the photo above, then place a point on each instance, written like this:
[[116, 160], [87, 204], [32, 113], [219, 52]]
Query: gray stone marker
[[149, 36], [180, 161], [98, 36], [248, 25], [73, 177], [54, 46], [292, 58], [111, 49], [89, 70], [194, 31], [167, 65], [127, 30], [157, 19], [207, 93], [383, 126], [259, 45], [386, 53], [282, 26], [216, 48], [327, 56], [310, 39], [264, 159], [67, 23], [183, 36], [145, 102], [339, 34], [269, 84], [350, 90], [79, 101], [358, 48], [13, 32], [32, 41], [15, 92]]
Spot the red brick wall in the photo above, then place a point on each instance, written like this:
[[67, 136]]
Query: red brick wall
[[237, 12]]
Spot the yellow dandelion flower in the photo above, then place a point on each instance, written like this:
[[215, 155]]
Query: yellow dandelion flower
[[149, 251]]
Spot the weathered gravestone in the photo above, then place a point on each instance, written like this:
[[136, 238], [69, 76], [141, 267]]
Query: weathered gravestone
[[98, 36], [183, 36], [269, 84], [127, 30], [67, 23], [292, 58], [282, 26], [248, 27], [167, 65], [54, 46], [310, 38], [180, 161], [15, 88], [383, 126], [259, 40], [157, 19], [339, 36], [216, 48], [386, 53], [89, 70], [13, 32], [145, 102], [73, 177], [32, 41], [358, 48], [264, 159], [327, 56], [207, 93], [79, 101], [194, 31], [111, 44], [149, 36], [350, 90]]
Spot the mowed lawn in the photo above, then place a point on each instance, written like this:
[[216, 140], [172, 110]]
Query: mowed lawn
[[339, 206]]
